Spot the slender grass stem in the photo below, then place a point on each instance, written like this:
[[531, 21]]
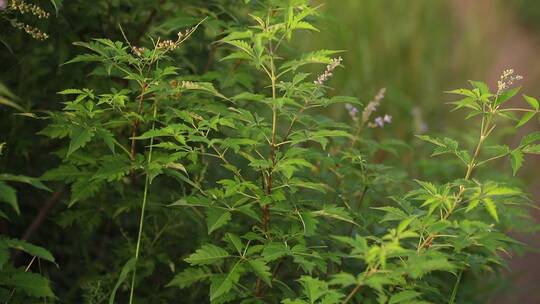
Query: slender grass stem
[[143, 209], [455, 289]]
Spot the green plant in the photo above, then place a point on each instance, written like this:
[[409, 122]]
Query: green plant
[[230, 185], [18, 283]]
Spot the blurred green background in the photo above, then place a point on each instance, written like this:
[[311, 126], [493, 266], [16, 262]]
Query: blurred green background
[[417, 49]]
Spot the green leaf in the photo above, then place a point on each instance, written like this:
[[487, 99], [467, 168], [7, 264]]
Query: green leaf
[[9, 103], [32, 284], [4, 255], [532, 101], [71, 92], [482, 86], [463, 92], [491, 208], [203, 87], [189, 277], [525, 118], [506, 95], [532, 149], [262, 270], [516, 158], [313, 288], [529, 139], [335, 212], [467, 102], [274, 251], [57, 5], [79, 138], [126, 270], [108, 138], [222, 284], [343, 279], [236, 241], [207, 254], [113, 168], [216, 218], [9, 195], [404, 296], [418, 265], [34, 182], [34, 250]]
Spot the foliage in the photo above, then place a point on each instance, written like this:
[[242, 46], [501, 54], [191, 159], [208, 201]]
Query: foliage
[[230, 185]]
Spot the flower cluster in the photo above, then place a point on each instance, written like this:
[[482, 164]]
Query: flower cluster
[[334, 63], [353, 111], [380, 121], [30, 30], [138, 51], [183, 35], [3, 5], [507, 79], [372, 105], [25, 8], [167, 45]]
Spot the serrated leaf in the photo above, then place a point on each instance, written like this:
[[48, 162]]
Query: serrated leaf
[[335, 212], [113, 168], [202, 86], [516, 159], [262, 270], [216, 218], [236, 241], [189, 277], [207, 254], [532, 149], [529, 139], [79, 138], [222, 284], [314, 288], [71, 92], [404, 296], [343, 279], [491, 208], [32, 284], [108, 138]]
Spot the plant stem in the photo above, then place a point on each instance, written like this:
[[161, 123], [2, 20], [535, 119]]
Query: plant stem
[[136, 122], [454, 291], [485, 130], [143, 209], [268, 187], [268, 190], [359, 286]]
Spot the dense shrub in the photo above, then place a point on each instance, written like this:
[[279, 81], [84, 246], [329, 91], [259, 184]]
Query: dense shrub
[[223, 181]]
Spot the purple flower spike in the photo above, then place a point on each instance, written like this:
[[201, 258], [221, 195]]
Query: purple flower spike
[[379, 121]]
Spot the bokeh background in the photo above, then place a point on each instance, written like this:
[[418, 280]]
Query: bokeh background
[[417, 49]]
